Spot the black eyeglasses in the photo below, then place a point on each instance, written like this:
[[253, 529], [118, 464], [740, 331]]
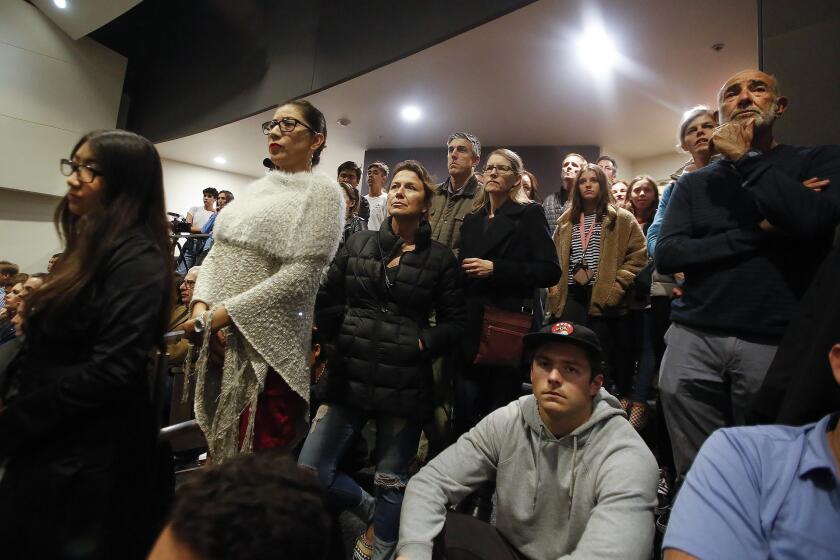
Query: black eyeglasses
[[286, 124], [498, 168], [84, 172]]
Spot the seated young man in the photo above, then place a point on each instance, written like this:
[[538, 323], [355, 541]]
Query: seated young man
[[573, 478], [762, 492], [254, 506]]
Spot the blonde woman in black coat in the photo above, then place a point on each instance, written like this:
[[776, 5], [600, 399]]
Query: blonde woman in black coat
[[506, 255]]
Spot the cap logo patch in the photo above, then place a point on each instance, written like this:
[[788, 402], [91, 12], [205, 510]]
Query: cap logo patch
[[562, 328]]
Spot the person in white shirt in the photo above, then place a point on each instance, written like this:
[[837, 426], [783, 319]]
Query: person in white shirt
[[198, 216], [377, 175]]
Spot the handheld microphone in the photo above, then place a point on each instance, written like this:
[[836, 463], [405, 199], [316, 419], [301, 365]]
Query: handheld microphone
[[267, 163]]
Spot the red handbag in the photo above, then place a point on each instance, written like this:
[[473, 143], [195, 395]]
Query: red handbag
[[501, 337]]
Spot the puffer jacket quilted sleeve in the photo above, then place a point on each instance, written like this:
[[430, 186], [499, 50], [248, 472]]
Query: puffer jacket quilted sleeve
[[378, 321]]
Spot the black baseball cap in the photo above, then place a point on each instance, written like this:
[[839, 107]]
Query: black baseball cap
[[564, 331]]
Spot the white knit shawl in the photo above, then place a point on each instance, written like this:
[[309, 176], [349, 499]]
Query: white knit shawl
[[270, 246]]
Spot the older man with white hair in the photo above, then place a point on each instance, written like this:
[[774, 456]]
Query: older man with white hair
[[749, 237]]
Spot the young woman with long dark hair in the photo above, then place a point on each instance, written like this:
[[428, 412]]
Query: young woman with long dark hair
[[531, 186], [643, 197], [601, 249], [77, 429]]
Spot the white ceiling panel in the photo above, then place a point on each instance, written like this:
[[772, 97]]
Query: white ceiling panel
[[518, 80]]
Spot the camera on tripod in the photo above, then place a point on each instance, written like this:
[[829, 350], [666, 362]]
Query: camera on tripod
[[178, 223]]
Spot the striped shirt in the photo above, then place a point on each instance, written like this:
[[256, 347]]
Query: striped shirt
[[593, 249]]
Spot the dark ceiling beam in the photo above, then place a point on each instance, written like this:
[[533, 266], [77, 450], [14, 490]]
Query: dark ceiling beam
[[194, 65]]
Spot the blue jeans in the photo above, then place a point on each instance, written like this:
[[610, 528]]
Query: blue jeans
[[397, 437]]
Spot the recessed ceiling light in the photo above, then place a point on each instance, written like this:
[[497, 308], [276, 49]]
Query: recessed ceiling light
[[410, 113], [596, 49], [220, 160], [60, 3]]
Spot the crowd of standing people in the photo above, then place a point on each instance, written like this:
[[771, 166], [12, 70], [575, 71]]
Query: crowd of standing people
[[522, 340]]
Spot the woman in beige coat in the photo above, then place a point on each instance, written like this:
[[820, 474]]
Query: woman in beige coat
[[601, 248]]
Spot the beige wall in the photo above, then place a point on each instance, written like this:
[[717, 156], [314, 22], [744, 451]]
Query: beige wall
[[659, 167], [27, 234], [52, 90], [625, 165], [184, 182]]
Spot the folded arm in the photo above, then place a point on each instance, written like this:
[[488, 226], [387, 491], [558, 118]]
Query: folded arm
[[679, 250], [790, 205]]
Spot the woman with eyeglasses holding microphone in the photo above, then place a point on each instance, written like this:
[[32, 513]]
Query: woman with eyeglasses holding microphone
[[506, 255], [77, 426], [253, 303]]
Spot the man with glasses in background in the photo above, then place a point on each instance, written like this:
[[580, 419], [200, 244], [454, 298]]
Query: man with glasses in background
[[177, 351]]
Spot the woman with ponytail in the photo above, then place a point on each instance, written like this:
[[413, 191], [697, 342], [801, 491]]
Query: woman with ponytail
[[253, 303]]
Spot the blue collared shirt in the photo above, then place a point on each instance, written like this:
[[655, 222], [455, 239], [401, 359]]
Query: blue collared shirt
[[208, 228], [761, 492], [656, 224]]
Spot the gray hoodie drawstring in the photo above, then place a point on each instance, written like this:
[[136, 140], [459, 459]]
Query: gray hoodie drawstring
[[538, 461], [574, 465]]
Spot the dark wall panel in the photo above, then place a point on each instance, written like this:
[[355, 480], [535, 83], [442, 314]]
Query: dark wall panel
[[542, 161], [198, 64], [361, 36], [800, 45]]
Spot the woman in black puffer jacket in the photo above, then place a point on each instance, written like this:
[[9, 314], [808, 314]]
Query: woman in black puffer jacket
[[381, 290]]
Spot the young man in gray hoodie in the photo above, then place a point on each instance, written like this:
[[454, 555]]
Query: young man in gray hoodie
[[573, 478]]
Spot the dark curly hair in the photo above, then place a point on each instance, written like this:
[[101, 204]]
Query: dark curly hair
[[253, 507]]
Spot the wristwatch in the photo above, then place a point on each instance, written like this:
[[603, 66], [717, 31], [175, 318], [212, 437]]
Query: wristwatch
[[200, 324]]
